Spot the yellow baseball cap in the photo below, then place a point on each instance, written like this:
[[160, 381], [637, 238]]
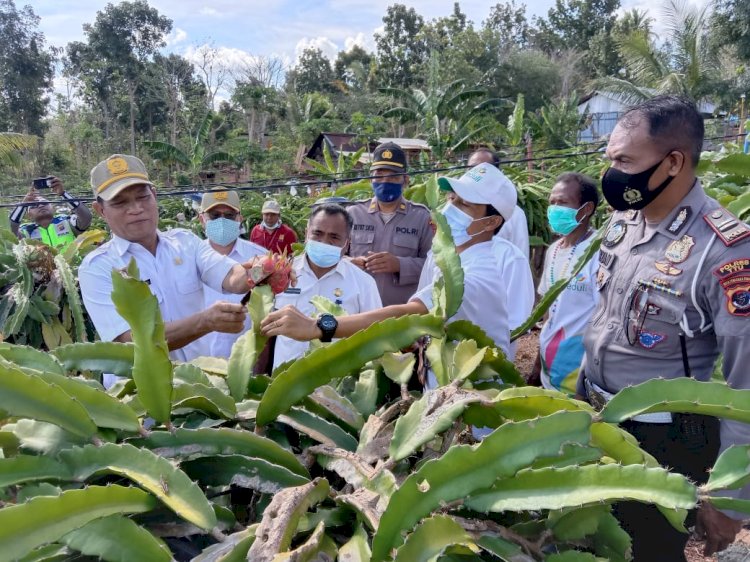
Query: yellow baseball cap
[[215, 198], [111, 176]]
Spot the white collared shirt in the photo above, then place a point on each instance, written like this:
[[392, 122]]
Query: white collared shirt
[[175, 276], [346, 285], [519, 284], [220, 343], [484, 301], [516, 231]]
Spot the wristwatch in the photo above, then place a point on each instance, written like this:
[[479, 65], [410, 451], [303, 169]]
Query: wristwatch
[[327, 324]]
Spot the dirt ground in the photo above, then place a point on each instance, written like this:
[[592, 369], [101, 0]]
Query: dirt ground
[[526, 352]]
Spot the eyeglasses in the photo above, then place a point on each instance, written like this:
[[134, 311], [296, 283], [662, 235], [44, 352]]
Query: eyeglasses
[[228, 215], [636, 313]]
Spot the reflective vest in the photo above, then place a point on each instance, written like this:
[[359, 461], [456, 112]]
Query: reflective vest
[[58, 234]]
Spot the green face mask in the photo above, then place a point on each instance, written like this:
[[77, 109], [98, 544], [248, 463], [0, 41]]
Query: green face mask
[[562, 220]]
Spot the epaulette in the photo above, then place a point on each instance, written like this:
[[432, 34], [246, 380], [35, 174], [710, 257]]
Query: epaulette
[[727, 227], [418, 205]]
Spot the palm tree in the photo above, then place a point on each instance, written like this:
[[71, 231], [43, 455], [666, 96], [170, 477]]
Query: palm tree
[[12, 146], [689, 67], [195, 159]]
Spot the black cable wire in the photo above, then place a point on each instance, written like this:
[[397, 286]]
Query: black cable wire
[[295, 181]]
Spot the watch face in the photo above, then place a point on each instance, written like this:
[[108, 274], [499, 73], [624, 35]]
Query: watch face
[[328, 323]]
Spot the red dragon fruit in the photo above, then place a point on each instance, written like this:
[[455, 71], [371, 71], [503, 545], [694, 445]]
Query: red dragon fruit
[[272, 269]]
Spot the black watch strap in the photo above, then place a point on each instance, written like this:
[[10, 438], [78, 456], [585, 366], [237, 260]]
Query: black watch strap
[[327, 324]]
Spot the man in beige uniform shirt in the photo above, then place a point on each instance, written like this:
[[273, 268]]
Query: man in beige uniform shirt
[[391, 235]]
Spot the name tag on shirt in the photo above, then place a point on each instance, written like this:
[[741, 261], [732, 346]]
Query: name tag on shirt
[[293, 291]]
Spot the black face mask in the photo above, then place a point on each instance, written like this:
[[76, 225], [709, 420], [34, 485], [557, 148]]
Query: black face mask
[[630, 191]]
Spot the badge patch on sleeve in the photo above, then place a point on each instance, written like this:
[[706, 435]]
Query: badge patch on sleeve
[[649, 340], [734, 277]]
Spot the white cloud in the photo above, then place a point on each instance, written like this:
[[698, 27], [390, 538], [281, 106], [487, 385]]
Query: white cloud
[[328, 47], [206, 11], [360, 40], [176, 37]]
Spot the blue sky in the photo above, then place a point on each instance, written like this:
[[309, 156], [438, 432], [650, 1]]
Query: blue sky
[[265, 27]]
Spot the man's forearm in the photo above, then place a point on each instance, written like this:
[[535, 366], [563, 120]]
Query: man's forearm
[[236, 281], [178, 333], [83, 216], [352, 324]]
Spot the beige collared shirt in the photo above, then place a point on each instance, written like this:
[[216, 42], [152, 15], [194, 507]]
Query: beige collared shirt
[[408, 236]]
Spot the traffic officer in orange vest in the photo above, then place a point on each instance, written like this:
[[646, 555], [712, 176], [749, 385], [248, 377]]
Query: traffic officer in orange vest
[[391, 235]]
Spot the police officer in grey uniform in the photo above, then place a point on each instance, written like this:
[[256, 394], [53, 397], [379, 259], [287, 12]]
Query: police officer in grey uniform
[[391, 235], [674, 282]]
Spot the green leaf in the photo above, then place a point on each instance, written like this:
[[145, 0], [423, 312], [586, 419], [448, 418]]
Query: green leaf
[[117, 539], [446, 258], [152, 368], [30, 358], [339, 359], [42, 437], [71, 292], [463, 330], [398, 366], [319, 429], [28, 396], [365, 393], [327, 398], [467, 357], [233, 549], [249, 345], [324, 305], [245, 472], [502, 548], [741, 206], [738, 164], [731, 470], [429, 416], [431, 538], [46, 519], [679, 395], [223, 441], [105, 410], [550, 488], [611, 541], [464, 469], [105, 357], [24, 469], [528, 402], [357, 548], [188, 373], [576, 523], [155, 474], [733, 504], [572, 556], [281, 517], [208, 399]]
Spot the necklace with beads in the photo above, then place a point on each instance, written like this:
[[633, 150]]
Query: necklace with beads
[[572, 254]]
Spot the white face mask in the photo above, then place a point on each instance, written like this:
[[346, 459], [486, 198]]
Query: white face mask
[[458, 221], [272, 226]]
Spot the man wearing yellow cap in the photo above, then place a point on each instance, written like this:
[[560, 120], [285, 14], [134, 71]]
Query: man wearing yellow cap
[[221, 218], [175, 264]]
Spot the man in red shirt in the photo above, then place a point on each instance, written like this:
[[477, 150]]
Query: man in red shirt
[[270, 233]]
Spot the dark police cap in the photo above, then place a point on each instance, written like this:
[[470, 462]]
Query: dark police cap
[[389, 156]]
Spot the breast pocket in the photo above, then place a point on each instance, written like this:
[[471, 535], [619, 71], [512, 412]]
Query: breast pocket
[[188, 284], [405, 245], [660, 331], [362, 242]]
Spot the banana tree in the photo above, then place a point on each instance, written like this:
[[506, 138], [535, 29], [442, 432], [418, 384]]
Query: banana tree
[[446, 116], [196, 158]]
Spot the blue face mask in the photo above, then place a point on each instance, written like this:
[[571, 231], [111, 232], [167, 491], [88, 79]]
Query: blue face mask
[[386, 191], [322, 255], [458, 221], [562, 220], [222, 231]]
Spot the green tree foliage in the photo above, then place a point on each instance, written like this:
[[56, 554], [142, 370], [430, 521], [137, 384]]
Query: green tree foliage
[[122, 39], [353, 69], [731, 22], [313, 73], [400, 53], [509, 21], [26, 70]]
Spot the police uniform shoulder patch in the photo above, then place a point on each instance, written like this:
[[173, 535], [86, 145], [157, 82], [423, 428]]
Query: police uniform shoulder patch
[[727, 227], [734, 278], [415, 205]]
